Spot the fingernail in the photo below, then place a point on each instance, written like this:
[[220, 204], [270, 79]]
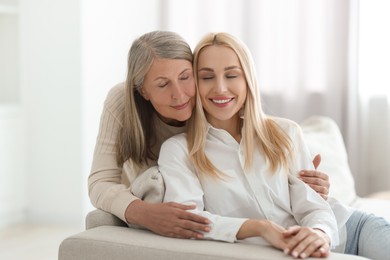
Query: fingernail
[[303, 255], [285, 251], [295, 254]]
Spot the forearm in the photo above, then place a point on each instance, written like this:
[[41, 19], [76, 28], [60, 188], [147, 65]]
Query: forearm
[[111, 197], [251, 228], [106, 188], [135, 212]]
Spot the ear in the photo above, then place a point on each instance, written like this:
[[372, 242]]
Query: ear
[[143, 93]]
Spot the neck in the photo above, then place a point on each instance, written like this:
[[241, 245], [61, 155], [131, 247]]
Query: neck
[[171, 122], [232, 126]]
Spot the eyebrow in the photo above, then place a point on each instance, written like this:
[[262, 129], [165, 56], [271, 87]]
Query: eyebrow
[[184, 70], [161, 77], [227, 68], [232, 68]]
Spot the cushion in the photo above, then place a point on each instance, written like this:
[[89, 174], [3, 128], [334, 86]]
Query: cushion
[[117, 243], [322, 136]]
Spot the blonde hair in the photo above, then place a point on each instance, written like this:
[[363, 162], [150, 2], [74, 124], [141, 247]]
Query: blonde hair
[[269, 137], [137, 135]]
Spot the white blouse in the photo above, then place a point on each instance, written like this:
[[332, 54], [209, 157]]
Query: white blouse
[[254, 193]]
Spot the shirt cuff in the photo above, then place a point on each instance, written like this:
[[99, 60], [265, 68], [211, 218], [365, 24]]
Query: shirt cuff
[[223, 228]]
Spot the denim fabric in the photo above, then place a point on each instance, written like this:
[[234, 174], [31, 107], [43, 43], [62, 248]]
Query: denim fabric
[[368, 236]]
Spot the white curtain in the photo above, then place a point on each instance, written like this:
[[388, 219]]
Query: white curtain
[[372, 147], [306, 55]]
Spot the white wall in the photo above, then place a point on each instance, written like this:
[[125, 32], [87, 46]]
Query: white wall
[[108, 29], [50, 70], [12, 175], [71, 53]]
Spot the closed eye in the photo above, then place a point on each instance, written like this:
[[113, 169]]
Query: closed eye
[[231, 76], [162, 85]]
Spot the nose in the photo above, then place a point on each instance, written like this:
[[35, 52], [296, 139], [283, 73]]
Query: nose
[[220, 86], [177, 91]]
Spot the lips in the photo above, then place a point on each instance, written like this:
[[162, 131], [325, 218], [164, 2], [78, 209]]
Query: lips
[[221, 101], [181, 106]]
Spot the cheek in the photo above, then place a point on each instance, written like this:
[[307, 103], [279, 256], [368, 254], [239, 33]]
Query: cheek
[[202, 90], [243, 96], [190, 88], [159, 99]]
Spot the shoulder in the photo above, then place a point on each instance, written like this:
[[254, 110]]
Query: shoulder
[[176, 146], [178, 141], [116, 94], [115, 100]]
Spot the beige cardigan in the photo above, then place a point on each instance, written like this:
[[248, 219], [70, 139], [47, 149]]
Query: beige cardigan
[[109, 183]]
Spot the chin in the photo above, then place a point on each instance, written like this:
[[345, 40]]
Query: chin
[[184, 117]]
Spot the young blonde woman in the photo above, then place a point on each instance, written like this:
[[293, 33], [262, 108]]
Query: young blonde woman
[[152, 105], [240, 167]]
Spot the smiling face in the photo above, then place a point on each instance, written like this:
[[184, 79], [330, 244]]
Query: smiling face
[[170, 87], [221, 84]]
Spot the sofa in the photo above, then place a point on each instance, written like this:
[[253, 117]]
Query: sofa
[[107, 237]]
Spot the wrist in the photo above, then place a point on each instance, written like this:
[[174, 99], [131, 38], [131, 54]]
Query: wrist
[[251, 228], [323, 234], [134, 211]]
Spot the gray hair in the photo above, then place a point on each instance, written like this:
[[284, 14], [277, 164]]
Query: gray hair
[[138, 133], [156, 44]]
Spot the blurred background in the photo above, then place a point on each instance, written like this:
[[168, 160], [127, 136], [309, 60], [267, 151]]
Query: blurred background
[[59, 58]]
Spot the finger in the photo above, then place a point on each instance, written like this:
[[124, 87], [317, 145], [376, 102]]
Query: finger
[[295, 240], [321, 252], [188, 215], [314, 175], [291, 231], [182, 206], [194, 217], [194, 226], [313, 181], [310, 245], [316, 161], [184, 233], [322, 190]]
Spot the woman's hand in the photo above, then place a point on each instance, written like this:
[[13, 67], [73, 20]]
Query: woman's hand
[[317, 180], [274, 234], [168, 219], [270, 231], [306, 242]]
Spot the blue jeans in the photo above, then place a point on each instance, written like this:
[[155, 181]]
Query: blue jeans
[[368, 236]]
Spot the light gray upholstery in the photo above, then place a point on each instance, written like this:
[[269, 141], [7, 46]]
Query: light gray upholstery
[[108, 238], [97, 218]]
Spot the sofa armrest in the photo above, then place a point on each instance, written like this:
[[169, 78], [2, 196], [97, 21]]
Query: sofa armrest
[[118, 243], [97, 218], [382, 195]]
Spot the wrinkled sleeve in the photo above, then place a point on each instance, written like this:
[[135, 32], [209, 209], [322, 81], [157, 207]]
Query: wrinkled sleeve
[[308, 207], [105, 186], [183, 186]]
